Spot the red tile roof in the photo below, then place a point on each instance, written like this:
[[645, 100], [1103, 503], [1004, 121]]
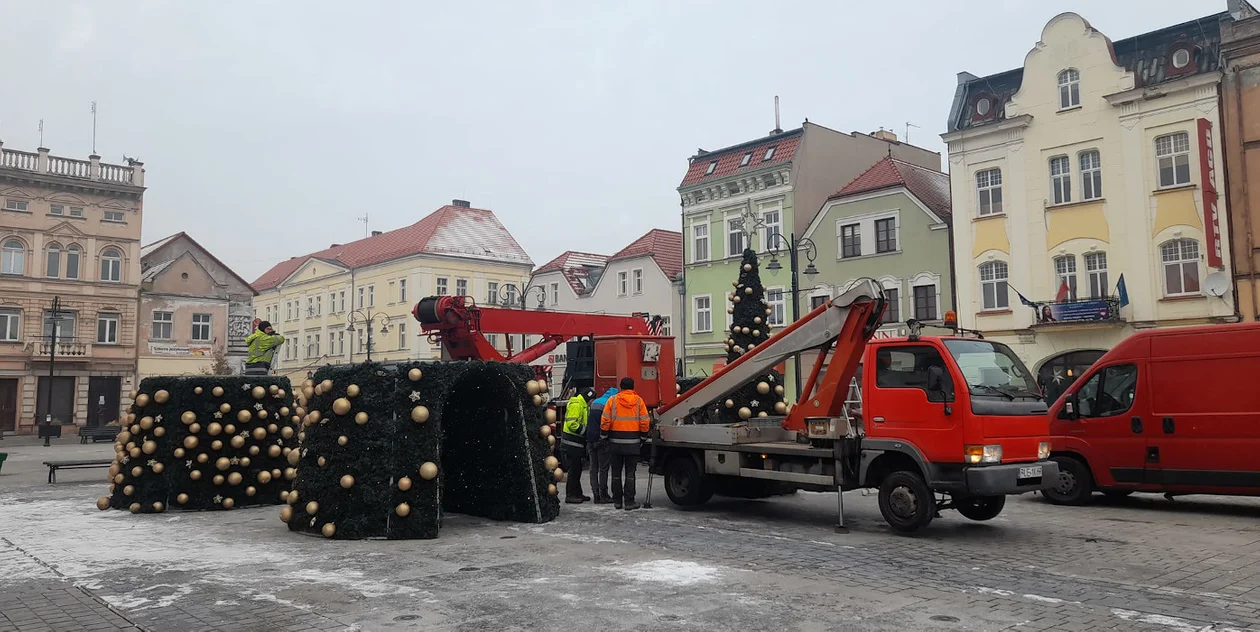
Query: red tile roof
[[579, 269], [665, 247], [451, 230], [930, 187], [728, 159]]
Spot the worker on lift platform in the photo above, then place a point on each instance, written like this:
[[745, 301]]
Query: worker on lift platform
[[626, 424], [573, 444]]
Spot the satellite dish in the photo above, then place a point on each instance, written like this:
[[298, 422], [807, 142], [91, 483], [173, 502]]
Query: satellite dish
[[1216, 284]]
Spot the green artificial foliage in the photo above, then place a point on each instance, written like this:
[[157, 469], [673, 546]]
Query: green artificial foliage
[[176, 444], [750, 327]]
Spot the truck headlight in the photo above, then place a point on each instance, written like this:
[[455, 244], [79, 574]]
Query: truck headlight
[[1043, 450], [974, 454]]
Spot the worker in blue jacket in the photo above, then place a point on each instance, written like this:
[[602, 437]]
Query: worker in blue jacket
[[598, 450]]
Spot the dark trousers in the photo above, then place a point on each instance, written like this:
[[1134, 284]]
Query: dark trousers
[[600, 460], [257, 368], [573, 458], [623, 491]]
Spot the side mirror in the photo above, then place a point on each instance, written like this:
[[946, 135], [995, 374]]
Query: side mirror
[[936, 385], [1071, 407]]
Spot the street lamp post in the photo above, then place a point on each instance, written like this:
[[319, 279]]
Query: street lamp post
[[511, 295], [681, 281], [366, 315], [54, 316], [794, 247]]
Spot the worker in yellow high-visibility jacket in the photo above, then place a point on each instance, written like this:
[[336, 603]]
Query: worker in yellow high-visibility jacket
[[573, 444]]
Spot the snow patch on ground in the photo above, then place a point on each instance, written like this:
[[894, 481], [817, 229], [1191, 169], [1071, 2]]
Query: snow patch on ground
[[1172, 623], [994, 591], [352, 580], [674, 572], [149, 597], [20, 567]]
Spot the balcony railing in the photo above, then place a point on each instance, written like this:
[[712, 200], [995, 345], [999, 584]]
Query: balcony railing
[[92, 169], [66, 347]]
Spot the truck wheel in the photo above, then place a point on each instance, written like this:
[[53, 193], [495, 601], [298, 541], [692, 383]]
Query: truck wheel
[[1075, 484], [906, 502], [980, 508], [685, 484]]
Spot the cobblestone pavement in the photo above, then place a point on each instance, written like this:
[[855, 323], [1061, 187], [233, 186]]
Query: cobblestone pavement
[[1141, 564]]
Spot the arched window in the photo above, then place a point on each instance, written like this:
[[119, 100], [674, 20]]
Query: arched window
[[1096, 268], [1057, 373], [1181, 267], [993, 288], [52, 258], [73, 254], [1069, 89], [13, 257], [111, 265], [1065, 273]]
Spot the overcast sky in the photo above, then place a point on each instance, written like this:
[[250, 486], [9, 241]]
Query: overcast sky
[[267, 128]]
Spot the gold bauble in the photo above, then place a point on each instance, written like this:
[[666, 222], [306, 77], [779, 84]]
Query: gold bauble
[[161, 397], [214, 429], [223, 463], [197, 390], [225, 408], [745, 413], [102, 503], [235, 478], [286, 513], [322, 461], [762, 414], [551, 440], [262, 414], [218, 391], [146, 423], [194, 429], [275, 473], [245, 461], [159, 431], [538, 400], [149, 447], [747, 267], [558, 475], [419, 414], [290, 474], [216, 445], [273, 389], [190, 442], [307, 393], [158, 468], [314, 417], [542, 386], [244, 416], [755, 333], [264, 477], [763, 387], [294, 456], [159, 507], [253, 450], [428, 471], [188, 417], [195, 475], [531, 387], [135, 429], [284, 411], [312, 508], [748, 291], [218, 479], [129, 490], [550, 416], [347, 481], [228, 503], [272, 428], [551, 463], [133, 395], [119, 478], [735, 299], [134, 452], [284, 495], [273, 451], [341, 405], [404, 483], [114, 469], [182, 499], [343, 440], [301, 436], [402, 509], [293, 497], [134, 508], [250, 491], [238, 442], [259, 392], [545, 430], [327, 385], [780, 408], [730, 403], [329, 530], [552, 489], [229, 429], [260, 433], [203, 458], [352, 390], [142, 400], [287, 432], [778, 390], [414, 375], [137, 471], [124, 437]]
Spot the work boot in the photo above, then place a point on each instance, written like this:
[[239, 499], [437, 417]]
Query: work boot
[[602, 500], [574, 500], [617, 504], [586, 498], [631, 506]]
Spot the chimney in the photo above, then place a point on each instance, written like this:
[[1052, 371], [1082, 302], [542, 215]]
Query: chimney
[[778, 129], [335, 246], [461, 203], [375, 233], [884, 134]]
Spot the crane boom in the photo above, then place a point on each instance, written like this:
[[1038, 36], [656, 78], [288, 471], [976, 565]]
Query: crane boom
[[849, 320]]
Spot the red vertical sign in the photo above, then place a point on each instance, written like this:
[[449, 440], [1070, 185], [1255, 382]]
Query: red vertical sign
[[1211, 215]]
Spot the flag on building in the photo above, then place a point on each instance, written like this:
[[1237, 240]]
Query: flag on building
[[1123, 291], [1064, 292], [1022, 299]]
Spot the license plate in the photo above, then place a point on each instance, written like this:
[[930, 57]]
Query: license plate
[[1030, 472]]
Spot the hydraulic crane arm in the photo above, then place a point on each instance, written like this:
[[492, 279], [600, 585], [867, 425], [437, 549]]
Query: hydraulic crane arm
[[849, 321]]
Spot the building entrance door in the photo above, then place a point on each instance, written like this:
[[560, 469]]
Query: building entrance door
[[8, 405], [103, 399], [62, 400]]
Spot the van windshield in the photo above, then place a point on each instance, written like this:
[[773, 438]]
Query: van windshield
[[992, 369]]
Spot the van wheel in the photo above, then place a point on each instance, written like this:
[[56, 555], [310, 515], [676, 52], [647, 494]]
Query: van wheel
[[906, 502], [685, 485], [1075, 484], [980, 508]]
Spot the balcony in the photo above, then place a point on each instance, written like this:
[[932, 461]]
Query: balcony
[[68, 348], [91, 170], [1078, 313]]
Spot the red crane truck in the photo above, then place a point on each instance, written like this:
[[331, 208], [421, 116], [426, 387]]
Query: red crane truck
[[945, 422]]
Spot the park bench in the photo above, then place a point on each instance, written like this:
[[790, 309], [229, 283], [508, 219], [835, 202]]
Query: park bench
[[98, 433], [53, 466]]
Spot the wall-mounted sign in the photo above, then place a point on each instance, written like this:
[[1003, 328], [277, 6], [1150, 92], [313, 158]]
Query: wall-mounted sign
[[167, 349], [1211, 215], [1079, 311]]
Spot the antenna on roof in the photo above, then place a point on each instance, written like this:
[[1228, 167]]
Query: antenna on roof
[[777, 128], [364, 219], [908, 126]]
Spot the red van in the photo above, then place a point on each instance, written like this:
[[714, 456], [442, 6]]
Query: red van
[[1173, 410]]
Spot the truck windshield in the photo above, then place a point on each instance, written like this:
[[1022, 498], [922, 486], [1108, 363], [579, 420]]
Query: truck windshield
[[992, 369]]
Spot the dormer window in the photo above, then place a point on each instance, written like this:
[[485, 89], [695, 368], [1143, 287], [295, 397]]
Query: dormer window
[[1069, 89], [747, 159], [712, 167], [1180, 58], [983, 105], [769, 153]]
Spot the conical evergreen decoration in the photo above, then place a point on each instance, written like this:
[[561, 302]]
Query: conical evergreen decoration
[[750, 327]]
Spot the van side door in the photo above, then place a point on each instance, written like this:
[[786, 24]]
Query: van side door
[[1110, 425]]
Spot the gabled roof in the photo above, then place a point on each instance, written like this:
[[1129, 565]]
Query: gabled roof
[[665, 247], [729, 158], [147, 259], [152, 273], [456, 231], [149, 249], [580, 269], [931, 187]]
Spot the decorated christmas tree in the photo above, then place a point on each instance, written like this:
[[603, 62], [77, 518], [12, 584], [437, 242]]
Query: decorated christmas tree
[[750, 327]]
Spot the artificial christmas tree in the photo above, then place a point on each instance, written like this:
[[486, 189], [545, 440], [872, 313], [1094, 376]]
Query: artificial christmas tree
[[750, 327]]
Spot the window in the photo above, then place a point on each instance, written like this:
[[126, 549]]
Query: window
[[989, 190], [493, 339], [908, 367], [73, 254], [288, 310], [111, 265], [734, 237], [555, 293], [341, 300], [76, 211], [461, 287], [778, 306], [667, 328], [700, 242], [886, 235], [371, 295], [510, 291], [1181, 58], [441, 286], [107, 328], [1061, 179], [56, 209], [636, 277], [1065, 272], [15, 205], [773, 221], [1181, 266], [768, 180], [64, 326], [850, 241], [816, 301], [1069, 89], [746, 159], [332, 303], [925, 302], [362, 340], [1091, 175], [341, 343], [983, 105], [892, 313], [492, 293], [769, 154], [10, 325], [362, 293], [1096, 268], [114, 216], [623, 283], [703, 321], [732, 188], [13, 257], [317, 353], [1108, 392], [712, 167], [163, 325], [402, 290], [402, 336], [201, 327], [52, 269], [310, 306], [310, 347], [993, 285], [1172, 153]]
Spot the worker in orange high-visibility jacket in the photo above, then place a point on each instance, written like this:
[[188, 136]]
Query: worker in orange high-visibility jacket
[[625, 424]]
